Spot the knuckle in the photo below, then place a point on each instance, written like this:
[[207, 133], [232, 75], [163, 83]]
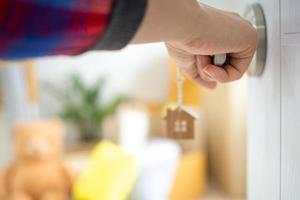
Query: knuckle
[[231, 78], [223, 79], [199, 43], [191, 72], [235, 14], [238, 77]]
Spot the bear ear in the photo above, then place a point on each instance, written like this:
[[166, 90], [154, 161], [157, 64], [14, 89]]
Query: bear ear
[[56, 126]]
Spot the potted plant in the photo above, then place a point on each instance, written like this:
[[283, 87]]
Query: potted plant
[[83, 108]]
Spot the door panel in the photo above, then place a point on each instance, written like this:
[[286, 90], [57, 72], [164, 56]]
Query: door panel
[[290, 39], [290, 175], [264, 116], [290, 16]]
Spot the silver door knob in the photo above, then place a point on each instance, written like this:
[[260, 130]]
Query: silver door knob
[[254, 14]]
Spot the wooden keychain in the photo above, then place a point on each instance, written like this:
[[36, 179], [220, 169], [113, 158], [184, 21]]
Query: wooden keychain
[[180, 122]]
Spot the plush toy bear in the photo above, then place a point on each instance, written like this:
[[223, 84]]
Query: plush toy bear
[[37, 172], [2, 197]]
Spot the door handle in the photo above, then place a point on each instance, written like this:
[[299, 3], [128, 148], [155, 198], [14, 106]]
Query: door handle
[[254, 14]]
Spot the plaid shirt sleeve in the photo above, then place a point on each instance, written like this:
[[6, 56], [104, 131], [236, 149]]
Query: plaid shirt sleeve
[[35, 28]]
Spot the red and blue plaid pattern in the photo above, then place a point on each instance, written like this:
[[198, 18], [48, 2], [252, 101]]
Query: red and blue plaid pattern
[[33, 28]]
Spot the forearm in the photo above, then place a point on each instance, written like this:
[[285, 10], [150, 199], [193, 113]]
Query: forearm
[[168, 20], [34, 28]]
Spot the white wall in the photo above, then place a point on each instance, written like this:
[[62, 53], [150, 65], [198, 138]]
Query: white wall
[[3, 145], [138, 70], [230, 5]]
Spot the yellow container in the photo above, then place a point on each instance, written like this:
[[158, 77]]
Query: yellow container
[[109, 175]]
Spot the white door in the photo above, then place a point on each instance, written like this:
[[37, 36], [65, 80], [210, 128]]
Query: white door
[[290, 99], [274, 109]]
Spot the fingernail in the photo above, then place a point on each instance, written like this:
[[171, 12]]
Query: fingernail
[[208, 74]]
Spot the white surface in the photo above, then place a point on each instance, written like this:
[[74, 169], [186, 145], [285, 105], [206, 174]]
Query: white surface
[[140, 71], [16, 101], [264, 117], [230, 5], [134, 126], [16, 105], [4, 144], [158, 170], [290, 16], [290, 129]]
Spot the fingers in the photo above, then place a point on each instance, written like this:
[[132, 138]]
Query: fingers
[[200, 69], [192, 66], [220, 74], [232, 71], [202, 61], [213, 73], [193, 73]]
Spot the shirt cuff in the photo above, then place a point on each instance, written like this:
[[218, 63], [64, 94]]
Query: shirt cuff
[[124, 21]]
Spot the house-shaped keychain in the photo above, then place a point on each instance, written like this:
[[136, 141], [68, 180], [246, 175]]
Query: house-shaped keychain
[[180, 124]]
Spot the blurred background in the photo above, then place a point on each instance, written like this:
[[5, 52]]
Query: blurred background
[[110, 108]]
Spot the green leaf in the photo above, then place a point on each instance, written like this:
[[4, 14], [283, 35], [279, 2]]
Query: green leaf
[[81, 105]]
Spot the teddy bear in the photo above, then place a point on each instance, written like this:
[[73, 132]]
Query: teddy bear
[[38, 172], [2, 186]]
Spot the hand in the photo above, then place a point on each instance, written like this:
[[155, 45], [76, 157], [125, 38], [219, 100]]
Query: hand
[[220, 32], [194, 32]]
